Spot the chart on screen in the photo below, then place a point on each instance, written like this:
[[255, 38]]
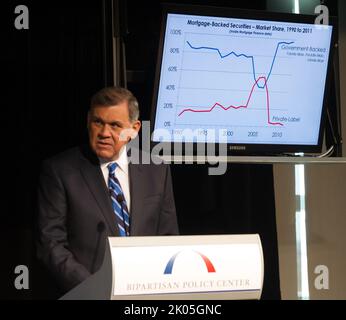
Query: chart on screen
[[241, 80]]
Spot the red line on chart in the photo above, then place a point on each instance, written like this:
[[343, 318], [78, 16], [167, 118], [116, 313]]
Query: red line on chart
[[240, 107]]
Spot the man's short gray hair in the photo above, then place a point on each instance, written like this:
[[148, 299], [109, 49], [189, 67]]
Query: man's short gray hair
[[112, 96]]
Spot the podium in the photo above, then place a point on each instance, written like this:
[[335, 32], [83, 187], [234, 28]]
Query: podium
[[177, 268]]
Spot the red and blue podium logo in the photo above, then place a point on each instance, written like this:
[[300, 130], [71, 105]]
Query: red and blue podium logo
[[209, 265]]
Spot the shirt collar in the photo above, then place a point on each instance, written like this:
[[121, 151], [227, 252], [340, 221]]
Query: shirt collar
[[122, 161]]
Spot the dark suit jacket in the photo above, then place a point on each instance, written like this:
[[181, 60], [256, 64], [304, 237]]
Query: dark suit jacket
[[76, 215]]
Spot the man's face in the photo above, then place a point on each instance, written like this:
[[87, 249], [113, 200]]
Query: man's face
[[110, 129]]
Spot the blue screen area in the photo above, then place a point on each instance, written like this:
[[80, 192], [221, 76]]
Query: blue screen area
[[241, 81]]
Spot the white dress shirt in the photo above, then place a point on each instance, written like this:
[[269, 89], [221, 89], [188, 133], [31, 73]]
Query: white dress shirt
[[121, 172]]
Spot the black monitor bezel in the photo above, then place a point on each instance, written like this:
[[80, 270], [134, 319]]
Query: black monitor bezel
[[234, 148]]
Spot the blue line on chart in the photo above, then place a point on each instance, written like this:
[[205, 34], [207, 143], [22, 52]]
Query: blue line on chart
[[246, 56]]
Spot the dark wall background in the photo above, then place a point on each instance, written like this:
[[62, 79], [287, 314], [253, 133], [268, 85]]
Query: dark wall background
[[49, 73]]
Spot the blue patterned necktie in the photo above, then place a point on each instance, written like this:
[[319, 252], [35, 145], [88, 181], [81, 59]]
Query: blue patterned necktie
[[118, 201]]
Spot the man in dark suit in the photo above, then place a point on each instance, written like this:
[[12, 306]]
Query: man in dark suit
[[77, 204]]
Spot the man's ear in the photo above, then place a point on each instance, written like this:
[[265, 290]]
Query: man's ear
[[131, 133], [136, 126], [127, 134]]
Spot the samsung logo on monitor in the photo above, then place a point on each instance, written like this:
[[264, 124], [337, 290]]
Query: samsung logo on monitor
[[239, 148]]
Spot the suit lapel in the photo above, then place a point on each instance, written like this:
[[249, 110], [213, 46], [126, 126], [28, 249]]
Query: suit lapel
[[93, 177]]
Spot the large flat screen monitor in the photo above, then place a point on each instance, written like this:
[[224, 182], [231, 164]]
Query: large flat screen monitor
[[256, 81]]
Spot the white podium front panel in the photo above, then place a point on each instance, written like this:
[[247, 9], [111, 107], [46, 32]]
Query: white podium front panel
[[187, 267]]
